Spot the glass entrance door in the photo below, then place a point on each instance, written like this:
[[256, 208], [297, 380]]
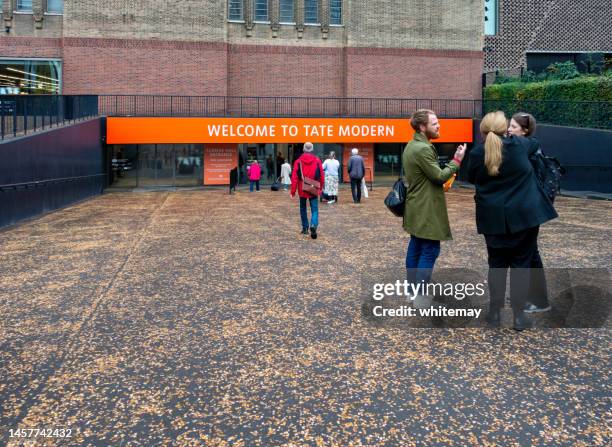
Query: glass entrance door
[[189, 165], [265, 156], [170, 165], [387, 162], [166, 166]]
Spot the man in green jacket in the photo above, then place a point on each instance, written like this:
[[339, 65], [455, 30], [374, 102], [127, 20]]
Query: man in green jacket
[[425, 215]]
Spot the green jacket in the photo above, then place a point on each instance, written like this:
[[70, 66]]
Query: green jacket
[[425, 215]]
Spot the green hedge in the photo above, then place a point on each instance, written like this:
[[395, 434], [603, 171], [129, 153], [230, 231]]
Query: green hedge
[[580, 102]]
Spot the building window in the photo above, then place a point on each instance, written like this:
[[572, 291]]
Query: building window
[[22, 76], [24, 5], [55, 6], [287, 14], [311, 11], [335, 12], [490, 17], [261, 10], [235, 11]]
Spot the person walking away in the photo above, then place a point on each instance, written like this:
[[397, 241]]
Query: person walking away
[[285, 173], [254, 173], [356, 171], [524, 124], [307, 165], [331, 167], [510, 207], [270, 167], [425, 213]]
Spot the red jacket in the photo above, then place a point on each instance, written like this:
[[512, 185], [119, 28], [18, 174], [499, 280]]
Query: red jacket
[[310, 163]]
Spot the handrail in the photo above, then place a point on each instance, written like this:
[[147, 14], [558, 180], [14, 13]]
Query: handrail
[[44, 182]]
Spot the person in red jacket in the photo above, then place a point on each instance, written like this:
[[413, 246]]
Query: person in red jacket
[[307, 165]]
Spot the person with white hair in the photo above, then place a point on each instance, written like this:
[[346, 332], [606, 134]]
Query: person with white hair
[[356, 171], [331, 167], [308, 166]]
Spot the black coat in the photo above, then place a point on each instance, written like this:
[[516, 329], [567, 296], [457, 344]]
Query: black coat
[[512, 201]]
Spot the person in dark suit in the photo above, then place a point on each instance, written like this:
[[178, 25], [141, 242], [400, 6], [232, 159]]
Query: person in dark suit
[[510, 207]]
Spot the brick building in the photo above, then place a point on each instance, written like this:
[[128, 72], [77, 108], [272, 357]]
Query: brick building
[[324, 48], [532, 34]]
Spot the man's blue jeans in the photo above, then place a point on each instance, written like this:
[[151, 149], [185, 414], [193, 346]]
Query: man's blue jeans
[[420, 259], [254, 183], [314, 209]]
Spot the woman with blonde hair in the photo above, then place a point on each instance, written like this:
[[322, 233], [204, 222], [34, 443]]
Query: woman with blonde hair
[[510, 207]]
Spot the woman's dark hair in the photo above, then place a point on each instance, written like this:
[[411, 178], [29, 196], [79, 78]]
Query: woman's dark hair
[[526, 121]]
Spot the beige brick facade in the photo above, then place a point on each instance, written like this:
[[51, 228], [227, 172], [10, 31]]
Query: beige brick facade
[[387, 48]]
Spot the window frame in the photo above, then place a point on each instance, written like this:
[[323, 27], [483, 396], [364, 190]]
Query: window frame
[[53, 13], [56, 62], [280, 21], [229, 19], [495, 32], [318, 22], [255, 19], [341, 13], [23, 11]]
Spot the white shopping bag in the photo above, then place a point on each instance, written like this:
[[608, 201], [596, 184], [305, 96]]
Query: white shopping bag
[[364, 187]]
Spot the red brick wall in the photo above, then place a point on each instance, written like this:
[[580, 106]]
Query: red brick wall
[[116, 66], [257, 70], [30, 47], [400, 73]]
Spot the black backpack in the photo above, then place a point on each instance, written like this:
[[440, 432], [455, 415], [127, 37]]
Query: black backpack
[[548, 172]]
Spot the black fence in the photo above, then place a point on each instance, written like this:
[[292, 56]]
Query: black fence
[[575, 114], [297, 107], [23, 114]]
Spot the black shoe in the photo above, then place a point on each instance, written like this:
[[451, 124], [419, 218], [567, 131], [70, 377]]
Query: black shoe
[[493, 318], [521, 322], [532, 308], [313, 232], [304, 231]]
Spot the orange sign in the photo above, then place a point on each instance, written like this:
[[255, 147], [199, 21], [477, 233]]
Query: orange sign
[[151, 130], [219, 160], [367, 152]]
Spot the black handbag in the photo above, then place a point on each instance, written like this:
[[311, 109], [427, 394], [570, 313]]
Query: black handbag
[[396, 199]]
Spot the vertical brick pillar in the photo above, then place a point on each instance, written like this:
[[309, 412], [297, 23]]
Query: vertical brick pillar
[[38, 13], [7, 12], [249, 12], [324, 17], [299, 17], [274, 16]]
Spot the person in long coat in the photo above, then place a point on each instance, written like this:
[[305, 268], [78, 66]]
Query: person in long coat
[[510, 207]]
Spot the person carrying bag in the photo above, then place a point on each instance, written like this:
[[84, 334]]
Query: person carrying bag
[[308, 183]]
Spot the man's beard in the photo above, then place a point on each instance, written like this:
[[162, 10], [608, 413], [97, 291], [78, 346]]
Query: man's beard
[[432, 135]]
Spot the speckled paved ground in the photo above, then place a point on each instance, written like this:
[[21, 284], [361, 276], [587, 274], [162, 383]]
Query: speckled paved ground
[[191, 318]]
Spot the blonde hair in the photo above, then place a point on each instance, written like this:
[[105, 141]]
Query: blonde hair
[[492, 128]]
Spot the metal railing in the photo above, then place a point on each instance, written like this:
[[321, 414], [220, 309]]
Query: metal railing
[[23, 114], [291, 107], [595, 114]]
